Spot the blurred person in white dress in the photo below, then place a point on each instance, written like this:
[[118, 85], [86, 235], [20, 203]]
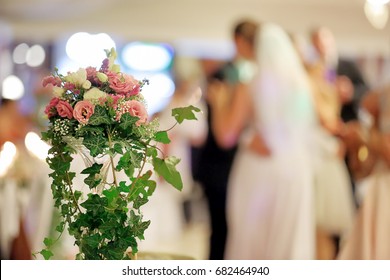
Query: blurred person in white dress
[[370, 235], [270, 194], [25, 195]]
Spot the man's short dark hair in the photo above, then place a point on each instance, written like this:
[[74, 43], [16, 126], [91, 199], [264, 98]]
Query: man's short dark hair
[[246, 29]]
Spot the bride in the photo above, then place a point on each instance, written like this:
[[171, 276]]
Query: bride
[[270, 211]]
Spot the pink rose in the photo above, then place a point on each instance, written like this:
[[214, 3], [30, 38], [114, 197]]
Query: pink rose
[[123, 84], [50, 109], [83, 111], [64, 109], [50, 80], [135, 109]]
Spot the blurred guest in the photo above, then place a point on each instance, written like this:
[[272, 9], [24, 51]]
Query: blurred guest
[[214, 160], [270, 213], [14, 241], [334, 198], [345, 73], [370, 237], [25, 195]]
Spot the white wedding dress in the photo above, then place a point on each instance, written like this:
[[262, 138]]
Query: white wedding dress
[[270, 199]]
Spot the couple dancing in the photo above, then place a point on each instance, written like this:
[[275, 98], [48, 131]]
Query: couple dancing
[[270, 115]]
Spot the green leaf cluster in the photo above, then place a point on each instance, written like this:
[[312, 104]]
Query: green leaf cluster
[[106, 220]]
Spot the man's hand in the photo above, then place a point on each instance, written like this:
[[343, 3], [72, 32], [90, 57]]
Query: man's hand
[[258, 146]]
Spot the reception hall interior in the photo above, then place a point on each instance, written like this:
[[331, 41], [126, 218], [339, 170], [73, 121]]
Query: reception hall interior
[[289, 157]]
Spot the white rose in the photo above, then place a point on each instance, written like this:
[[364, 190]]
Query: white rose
[[102, 77], [58, 91], [77, 78], [94, 94], [87, 84]]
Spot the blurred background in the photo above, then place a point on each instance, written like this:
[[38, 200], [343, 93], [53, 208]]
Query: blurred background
[[166, 42]]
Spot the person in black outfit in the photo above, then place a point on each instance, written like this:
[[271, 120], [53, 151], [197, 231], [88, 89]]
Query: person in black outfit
[[214, 162]]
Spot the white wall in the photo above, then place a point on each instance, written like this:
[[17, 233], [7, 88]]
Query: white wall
[[171, 20]]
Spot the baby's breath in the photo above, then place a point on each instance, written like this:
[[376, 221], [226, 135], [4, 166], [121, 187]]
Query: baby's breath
[[61, 127]]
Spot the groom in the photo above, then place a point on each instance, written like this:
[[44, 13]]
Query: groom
[[214, 161]]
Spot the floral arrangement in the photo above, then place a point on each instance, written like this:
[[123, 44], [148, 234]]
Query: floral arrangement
[[100, 114]]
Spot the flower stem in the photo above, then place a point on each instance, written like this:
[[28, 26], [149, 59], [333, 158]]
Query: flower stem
[[69, 182], [72, 193], [113, 170], [142, 167], [112, 159]]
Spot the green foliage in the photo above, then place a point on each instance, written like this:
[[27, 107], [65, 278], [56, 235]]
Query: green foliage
[[106, 220], [95, 144], [162, 137], [185, 113], [167, 169], [100, 116], [127, 121]]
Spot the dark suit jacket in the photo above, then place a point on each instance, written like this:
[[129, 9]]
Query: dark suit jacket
[[214, 163]]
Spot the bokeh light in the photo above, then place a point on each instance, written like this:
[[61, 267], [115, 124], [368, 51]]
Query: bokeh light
[[13, 88], [147, 57]]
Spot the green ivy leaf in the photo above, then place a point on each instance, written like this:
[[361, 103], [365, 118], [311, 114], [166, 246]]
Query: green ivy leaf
[[48, 242], [118, 148], [91, 130], [47, 254], [128, 162], [64, 210], [139, 201], [185, 113], [94, 203], [162, 137], [127, 121], [95, 144], [151, 152], [167, 169], [77, 194], [111, 195], [93, 169], [131, 242], [123, 187], [138, 226], [46, 135], [99, 116], [124, 161], [60, 227], [114, 253], [91, 181], [93, 240], [58, 165]]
